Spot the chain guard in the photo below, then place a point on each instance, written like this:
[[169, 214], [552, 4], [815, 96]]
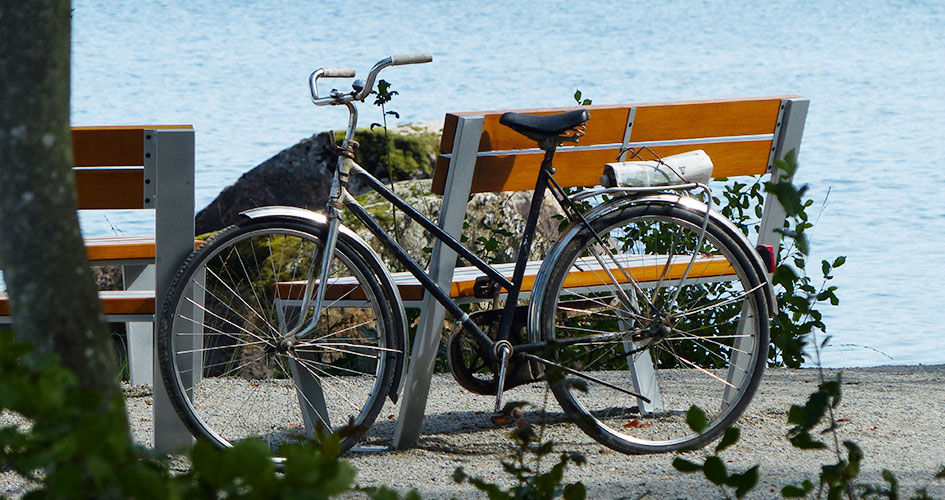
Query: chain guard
[[473, 365]]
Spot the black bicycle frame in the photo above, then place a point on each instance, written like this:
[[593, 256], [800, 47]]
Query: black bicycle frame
[[512, 287]]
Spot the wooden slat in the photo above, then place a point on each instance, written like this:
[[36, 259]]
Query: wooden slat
[[120, 302], [120, 146], [464, 278], [110, 188], [653, 121], [123, 248], [583, 168], [119, 248]]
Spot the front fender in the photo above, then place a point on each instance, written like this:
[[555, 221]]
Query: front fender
[[378, 268]]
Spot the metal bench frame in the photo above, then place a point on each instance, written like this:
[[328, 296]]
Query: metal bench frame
[[149, 167]]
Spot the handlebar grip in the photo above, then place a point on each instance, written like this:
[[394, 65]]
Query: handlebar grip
[[338, 73], [418, 58]]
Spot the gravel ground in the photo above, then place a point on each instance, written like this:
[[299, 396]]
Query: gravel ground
[[896, 415]]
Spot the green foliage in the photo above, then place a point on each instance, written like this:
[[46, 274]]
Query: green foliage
[[577, 99], [397, 156], [835, 481], [714, 467], [799, 300], [70, 446], [525, 469]]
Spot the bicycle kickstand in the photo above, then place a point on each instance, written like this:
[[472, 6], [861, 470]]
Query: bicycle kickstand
[[504, 416]]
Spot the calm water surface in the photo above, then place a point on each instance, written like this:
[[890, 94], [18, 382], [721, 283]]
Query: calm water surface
[[874, 71]]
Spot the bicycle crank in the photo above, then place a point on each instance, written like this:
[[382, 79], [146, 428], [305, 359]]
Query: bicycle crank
[[473, 364]]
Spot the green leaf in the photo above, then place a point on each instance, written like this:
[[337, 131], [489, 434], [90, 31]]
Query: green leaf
[[729, 438], [744, 482], [893, 482], [696, 419], [575, 491], [804, 441], [839, 261], [792, 491], [714, 469], [683, 465], [797, 415]]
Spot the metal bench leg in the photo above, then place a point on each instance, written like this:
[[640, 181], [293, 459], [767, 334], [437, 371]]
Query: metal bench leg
[[174, 234], [140, 334], [419, 373], [308, 387], [311, 398], [642, 374], [442, 262]]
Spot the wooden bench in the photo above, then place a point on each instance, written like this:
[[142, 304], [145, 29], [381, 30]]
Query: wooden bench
[[742, 136], [146, 169]]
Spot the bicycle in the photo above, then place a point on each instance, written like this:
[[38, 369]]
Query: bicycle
[[649, 303]]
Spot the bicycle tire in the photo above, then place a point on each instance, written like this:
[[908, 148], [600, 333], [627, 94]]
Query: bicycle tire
[[250, 383], [680, 352]]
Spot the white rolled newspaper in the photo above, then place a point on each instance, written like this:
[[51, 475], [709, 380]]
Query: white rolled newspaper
[[691, 166]]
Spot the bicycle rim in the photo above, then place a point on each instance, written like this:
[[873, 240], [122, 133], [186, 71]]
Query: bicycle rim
[[652, 320], [232, 372]]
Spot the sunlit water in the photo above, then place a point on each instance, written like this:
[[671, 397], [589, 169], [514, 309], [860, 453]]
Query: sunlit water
[[873, 70]]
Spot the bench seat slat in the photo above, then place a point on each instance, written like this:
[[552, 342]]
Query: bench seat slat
[[643, 268], [114, 302], [123, 248]]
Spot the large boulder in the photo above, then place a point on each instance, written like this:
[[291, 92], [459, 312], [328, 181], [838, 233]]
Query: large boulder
[[300, 175]]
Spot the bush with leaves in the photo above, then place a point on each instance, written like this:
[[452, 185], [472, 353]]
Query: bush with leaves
[[798, 320], [835, 481], [68, 446], [529, 482]]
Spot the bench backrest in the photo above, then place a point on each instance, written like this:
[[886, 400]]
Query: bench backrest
[[115, 167], [739, 135], [147, 167], [742, 136]]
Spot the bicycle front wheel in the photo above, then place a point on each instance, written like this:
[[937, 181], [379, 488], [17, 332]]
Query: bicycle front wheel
[[649, 317], [232, 366]]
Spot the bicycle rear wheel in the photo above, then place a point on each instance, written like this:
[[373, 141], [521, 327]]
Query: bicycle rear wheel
[[651, 319], [231, 368]]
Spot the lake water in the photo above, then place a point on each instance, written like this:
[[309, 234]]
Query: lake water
[[873, 69]]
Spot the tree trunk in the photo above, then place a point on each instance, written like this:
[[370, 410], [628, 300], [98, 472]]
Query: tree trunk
[[52, 292]]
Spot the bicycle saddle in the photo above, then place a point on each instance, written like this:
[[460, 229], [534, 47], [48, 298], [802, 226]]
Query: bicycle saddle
[[540, 127]]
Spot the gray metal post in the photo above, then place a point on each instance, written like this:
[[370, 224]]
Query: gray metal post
[[172, 156], [793, 118], [790, 130], [442, 262], [140, 333]]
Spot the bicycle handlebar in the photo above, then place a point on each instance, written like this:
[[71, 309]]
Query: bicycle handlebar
[[418, 58], [338, 73], [336, 97]]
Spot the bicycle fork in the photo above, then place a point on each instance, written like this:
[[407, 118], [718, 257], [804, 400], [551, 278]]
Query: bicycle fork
[[319, 282]]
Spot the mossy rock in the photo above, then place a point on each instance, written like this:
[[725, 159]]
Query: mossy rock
[[300, 175], [395, 154]]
